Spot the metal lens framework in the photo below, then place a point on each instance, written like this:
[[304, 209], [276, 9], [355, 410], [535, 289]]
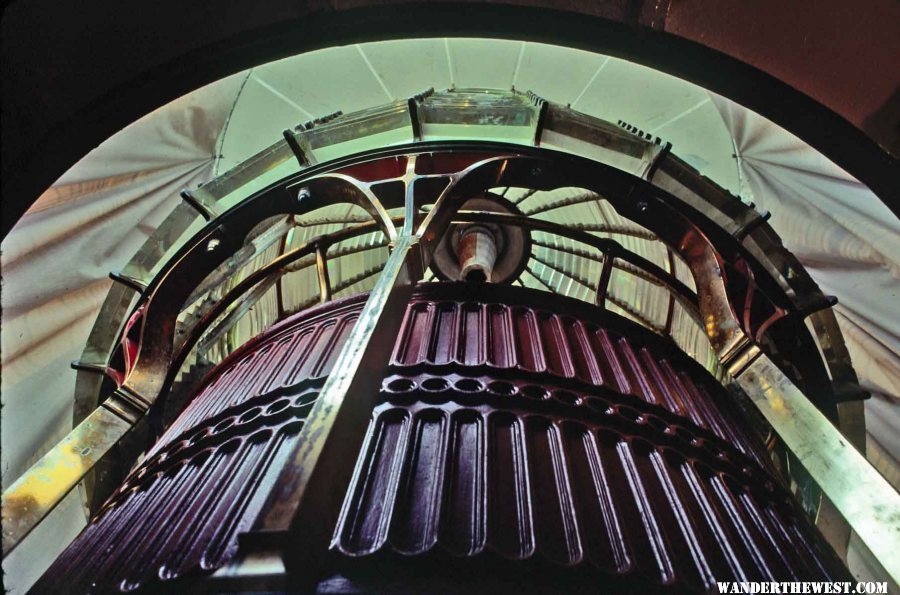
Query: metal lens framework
[[183, 301]]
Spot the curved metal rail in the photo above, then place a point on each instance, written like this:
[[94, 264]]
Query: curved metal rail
[[462, 171], [318, 246]]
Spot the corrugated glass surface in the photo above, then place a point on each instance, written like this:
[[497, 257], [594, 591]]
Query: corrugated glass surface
[[556, 264]]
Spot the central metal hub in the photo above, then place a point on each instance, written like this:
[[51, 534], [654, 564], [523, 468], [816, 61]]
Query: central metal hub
[[477, 251], [482, 251]]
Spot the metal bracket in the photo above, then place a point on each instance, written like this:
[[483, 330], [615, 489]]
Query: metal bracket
[[198, 201], [81, 366], [815, 304], [127, 404], [757, 219], [130, 282], [543, 106], [302, 157], [413, 106], [657, 161]]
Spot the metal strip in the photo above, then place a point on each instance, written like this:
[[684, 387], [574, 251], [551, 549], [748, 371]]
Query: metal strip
[[303, 495], [605, 274], [36, 492], [344, 284], [863, 497], [213, 334], [279, 289], [670, 313], [322, 273], [622, 266], [639, 316], [302, 498], [34, 496], [276, 267]]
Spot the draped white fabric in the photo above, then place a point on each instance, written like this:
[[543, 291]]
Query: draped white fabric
[[849, 241], [56, 260], [55, 266]]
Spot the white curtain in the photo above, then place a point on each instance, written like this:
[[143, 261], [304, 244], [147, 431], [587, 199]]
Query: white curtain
[[55, 266], [56, 261], [849, 241]]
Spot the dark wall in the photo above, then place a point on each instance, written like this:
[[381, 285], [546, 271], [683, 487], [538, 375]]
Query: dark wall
[[75, 73]]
